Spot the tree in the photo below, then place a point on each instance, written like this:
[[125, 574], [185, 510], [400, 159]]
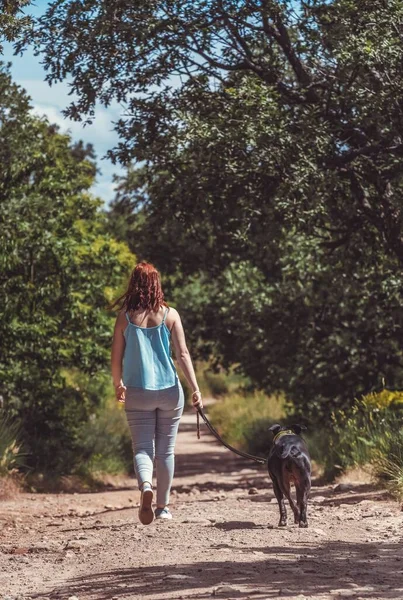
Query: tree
[[58, 268], [12, 19], [320, 62], [270, 135], [269, 290]]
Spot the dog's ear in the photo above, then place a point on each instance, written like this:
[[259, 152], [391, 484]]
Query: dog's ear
[[275, 428], [298, 428]]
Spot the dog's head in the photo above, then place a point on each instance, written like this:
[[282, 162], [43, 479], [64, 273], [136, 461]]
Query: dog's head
[[276, 428]]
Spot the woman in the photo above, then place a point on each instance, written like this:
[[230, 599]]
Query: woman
[[149, 384]]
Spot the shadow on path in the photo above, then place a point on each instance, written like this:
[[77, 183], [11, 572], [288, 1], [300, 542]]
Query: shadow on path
[[300, 569]]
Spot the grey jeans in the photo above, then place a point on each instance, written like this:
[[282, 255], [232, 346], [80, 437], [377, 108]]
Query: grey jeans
[[153, 417]]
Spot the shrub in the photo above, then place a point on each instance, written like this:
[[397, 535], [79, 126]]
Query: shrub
[[243, 419], [12, 454], [387, 464], [105, 442], [216, 383], [98, 441], [211, 384], [370, 427], [370, 434]]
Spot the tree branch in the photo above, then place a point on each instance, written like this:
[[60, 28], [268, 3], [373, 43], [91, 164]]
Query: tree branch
[[280, 34], [369, 150]]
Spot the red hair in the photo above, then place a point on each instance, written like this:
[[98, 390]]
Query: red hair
[[143, 291]]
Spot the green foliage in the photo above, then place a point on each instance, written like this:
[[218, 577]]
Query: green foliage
[[307, 93], [217, 383], [369, 428], [13, 21], [323, 330], [389, 468], [58, 269], [272, 214], [271, 172], [212, 384], [242, 419], [370, 434], [103, 441], [12, 455]]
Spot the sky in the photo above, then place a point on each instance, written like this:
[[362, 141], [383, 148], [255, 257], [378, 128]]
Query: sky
[[50, 101]]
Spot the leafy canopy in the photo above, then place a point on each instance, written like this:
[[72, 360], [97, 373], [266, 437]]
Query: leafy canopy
[[13, 20], [57, 268], [334, 68], [270, 134]]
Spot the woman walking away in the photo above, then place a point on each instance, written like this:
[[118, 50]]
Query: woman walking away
[[149, 384]]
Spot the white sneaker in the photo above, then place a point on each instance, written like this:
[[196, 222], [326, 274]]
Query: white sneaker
[[163, 513]]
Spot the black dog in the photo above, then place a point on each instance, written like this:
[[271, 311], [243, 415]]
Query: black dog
[[289, 461]]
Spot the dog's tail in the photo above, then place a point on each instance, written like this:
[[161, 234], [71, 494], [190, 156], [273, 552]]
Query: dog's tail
[[284, 451]]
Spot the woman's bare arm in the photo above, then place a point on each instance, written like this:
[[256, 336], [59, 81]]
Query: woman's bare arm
[[118, 348], [183, 357]]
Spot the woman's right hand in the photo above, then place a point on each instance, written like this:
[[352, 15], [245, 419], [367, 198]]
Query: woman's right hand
[[197, 400], [120, 392]]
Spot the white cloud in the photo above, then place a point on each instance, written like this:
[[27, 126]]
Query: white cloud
[[104, 189], [50, 101], [100, 133], [41, 92]]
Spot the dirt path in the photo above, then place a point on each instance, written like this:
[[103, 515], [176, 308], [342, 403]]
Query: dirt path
[[222, 542]]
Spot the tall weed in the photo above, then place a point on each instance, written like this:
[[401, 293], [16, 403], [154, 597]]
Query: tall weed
[[388, 465], [371, 434], [12, 454]]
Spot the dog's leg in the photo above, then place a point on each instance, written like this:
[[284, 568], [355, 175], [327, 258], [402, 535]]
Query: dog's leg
[[294, 507], [281, 504], [303, 489]]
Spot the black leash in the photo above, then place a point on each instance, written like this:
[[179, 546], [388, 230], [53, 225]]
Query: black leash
[[200, 412]]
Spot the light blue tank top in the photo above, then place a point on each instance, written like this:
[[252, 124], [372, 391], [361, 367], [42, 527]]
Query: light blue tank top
[[147, 361]]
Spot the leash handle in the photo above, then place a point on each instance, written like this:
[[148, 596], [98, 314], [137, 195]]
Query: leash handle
[[198, 425]]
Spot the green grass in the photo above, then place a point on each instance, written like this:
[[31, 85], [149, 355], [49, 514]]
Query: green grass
[[12, 454], [369, 435], [387, 465], [242, 419]]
